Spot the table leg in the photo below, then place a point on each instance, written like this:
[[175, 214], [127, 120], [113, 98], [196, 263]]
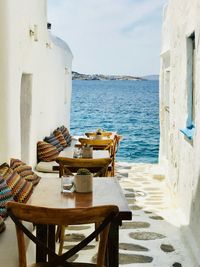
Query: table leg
[[51, 238], [41, 233], [113, 244]]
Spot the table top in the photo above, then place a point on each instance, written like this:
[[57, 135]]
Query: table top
[[112, 136], [106, 191], [97, 154]]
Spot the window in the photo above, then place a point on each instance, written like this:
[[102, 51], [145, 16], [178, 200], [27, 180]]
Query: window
[[190, 126]]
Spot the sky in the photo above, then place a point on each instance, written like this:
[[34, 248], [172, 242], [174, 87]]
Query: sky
[[119, 37]]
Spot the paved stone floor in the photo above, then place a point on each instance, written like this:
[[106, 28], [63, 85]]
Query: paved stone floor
[[153, 237]]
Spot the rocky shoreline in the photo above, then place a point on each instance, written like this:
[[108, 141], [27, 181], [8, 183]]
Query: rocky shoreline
[[79, 76]]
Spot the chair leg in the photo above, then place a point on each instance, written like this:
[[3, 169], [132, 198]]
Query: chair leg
[[96, 225], [58, 230], [113, 169], [62, 239]]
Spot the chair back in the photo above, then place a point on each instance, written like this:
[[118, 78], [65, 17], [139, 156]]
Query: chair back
[[68, 166], [105, 144], [102, 215], [116, 143]]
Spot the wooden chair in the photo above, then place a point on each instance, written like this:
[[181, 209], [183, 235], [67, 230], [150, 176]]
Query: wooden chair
[[52, 216], [68, 166], [114, 150], [105, 144]]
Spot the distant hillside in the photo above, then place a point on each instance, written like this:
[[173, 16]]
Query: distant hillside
[[79, 76], [151, 77]]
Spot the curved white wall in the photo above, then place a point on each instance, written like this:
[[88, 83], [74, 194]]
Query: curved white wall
[[47, 61]]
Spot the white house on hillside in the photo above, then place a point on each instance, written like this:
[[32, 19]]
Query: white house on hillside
[[35, 79], [180, 109]]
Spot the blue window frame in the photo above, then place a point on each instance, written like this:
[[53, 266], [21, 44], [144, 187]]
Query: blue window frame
[[190, 126]]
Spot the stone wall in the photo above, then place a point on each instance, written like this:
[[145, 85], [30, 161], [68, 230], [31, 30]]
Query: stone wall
[[178, 153], [35, 79]]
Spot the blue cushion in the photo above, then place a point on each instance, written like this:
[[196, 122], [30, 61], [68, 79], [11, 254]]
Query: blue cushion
[[53, 141]]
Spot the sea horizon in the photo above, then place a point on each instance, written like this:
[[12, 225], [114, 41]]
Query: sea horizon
[[82, 76]]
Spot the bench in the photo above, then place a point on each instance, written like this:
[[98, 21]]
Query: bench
[[8, 239]]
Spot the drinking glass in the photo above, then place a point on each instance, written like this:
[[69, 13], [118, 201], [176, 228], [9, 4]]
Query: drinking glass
[[77, 152], [66, 184]]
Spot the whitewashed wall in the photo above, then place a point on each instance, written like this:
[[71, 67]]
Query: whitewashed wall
[[180, 156], [48, 63]]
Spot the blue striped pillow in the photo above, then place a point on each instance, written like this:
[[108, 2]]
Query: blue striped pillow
[[66, 134], [54, 142]]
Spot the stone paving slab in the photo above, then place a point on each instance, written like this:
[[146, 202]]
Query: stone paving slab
[[153, 237]]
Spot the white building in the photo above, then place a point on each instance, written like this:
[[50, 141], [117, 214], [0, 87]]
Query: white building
[[35, 79], [180, 109]]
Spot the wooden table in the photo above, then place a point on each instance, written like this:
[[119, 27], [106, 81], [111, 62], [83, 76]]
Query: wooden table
[[97, 154], [105, 191], [93, 138], [93, 135]]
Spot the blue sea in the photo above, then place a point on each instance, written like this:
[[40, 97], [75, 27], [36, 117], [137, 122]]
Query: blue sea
[[130, 108]]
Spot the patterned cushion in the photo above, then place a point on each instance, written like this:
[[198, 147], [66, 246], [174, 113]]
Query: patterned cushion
[[46, 151], [53, 141], [21, 189], [2, 225], [60, 138], [5, 196], [24, 171], [66, 134]]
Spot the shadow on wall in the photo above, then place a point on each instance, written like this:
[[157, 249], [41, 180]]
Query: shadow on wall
[[25, 115]]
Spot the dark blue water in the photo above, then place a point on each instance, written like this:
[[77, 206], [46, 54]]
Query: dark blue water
[[129, 107]]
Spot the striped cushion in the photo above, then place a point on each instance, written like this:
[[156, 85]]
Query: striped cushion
[[53, 141], [5, 196], [46, 151], [66, 134], [21, 189], [60, 138], [2, 225], [24, 171]]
